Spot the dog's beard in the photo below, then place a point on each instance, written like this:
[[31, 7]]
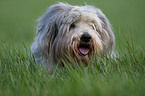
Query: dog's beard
[[84, 51], [83, 48]]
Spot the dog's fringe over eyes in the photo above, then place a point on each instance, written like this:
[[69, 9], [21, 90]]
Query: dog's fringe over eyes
[[75, 31]]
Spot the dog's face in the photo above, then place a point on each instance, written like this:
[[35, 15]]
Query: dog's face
[[76, 31], [84, 36]]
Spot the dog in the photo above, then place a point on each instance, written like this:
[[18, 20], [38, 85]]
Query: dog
[[78, 32]]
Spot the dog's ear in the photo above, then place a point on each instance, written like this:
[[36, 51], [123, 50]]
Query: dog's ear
[[49, 24], [107, 34]]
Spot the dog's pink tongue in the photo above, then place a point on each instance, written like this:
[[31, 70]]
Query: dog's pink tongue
[[84, 51]]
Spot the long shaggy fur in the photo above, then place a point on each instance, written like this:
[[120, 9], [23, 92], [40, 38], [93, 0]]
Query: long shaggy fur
[[59, 33]]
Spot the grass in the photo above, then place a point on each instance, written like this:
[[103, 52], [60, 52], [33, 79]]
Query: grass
[[123, 76]]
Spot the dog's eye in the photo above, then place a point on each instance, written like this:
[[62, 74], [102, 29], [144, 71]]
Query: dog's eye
[[72, 26], [93, 26]]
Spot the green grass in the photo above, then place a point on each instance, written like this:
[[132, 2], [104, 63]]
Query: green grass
[[123, 76]]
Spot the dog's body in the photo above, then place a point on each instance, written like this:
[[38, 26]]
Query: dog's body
[[75, 31]]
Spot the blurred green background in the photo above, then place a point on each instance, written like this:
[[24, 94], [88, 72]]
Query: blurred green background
[[18, 18]]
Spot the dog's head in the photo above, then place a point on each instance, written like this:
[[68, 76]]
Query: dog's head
[[78, 31]]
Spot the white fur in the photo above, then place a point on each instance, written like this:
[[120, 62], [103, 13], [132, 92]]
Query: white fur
[[54, 37]]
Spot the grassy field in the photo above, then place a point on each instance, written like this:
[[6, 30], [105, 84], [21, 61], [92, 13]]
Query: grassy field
[[124, 76]]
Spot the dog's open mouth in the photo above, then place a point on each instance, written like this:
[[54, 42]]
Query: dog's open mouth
[[84, 49]]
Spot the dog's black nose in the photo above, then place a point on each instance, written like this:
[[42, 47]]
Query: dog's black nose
[[86, 37]]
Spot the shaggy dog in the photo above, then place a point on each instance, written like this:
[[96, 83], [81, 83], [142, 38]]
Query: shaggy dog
[[78, 32]]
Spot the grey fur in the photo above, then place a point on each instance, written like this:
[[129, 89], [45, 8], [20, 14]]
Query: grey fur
[[51, 41]]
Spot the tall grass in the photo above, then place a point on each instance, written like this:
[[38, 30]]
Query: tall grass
[[122, 76]]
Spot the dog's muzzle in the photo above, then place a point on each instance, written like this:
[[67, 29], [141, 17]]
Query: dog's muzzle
[[85, 44]]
